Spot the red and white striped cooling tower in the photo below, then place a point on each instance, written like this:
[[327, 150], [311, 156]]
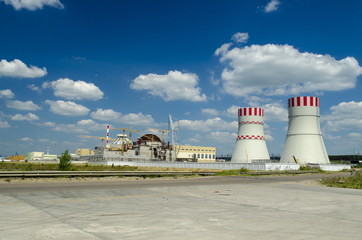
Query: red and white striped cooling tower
[[304, 143], [250, 144]]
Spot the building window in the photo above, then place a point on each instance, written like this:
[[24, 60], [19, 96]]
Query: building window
[[202, 155], [198, 155]]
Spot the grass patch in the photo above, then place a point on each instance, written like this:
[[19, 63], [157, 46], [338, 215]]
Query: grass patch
[[310, 168], [27, 166], [232, 172], [354, 181]]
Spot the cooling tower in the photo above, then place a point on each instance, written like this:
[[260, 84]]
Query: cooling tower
[[250, 144], [304, 143]]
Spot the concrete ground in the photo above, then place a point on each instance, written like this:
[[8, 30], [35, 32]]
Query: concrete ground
[[267, 207]]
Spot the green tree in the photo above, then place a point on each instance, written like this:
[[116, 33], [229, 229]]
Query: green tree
[[65, 161]]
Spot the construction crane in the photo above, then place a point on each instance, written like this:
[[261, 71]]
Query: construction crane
[[102, 138], [127, 129], [163, 131]]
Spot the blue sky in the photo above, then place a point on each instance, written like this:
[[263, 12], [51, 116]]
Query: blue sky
[[68, 68]]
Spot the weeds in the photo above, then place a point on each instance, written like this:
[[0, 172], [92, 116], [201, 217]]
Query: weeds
[[354, 181], [232, 172]]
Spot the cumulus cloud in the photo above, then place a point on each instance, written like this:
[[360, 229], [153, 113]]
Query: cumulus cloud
[[25, 117], [232, 111], [275, 112], [17, 68], [271, 70], [82, 126], [344, 116], [106, 115], [34, 88], [240, 37], [4, 124], [138, 119], [26, 106], [7, 93], [208, 125], [272, 6], [67, 108], [33, 4], [175, 85], [209, 111], [223, 137], [78, 90]]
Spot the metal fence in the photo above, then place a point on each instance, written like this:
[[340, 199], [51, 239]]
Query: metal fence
[[196, 165]]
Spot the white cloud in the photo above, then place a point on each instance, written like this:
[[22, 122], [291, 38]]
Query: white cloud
[[27, 117], [355, 135], [174, 85], [272, 70], [224, 137], [138, 119], [275, 112], [209, 111], [344, 116], [4, 124], [106, 115], [208, 125], [26, 139], [232, 111], [7, 93], [34, 88], [67, 108], [49, 124], [240, 37], [82, 126], [26, 106], [19, 69], [223, 49], [78, 90], [33, 4], [272, 6]]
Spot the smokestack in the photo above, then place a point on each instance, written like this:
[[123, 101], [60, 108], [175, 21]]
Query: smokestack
[[304, 143], [250, 144]]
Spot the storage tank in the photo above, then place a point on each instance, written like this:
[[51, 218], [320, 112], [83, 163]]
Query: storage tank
[[250, 143]]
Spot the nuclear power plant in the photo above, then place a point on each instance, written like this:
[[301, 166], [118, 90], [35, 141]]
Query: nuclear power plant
[[304, 143], [250, 144]]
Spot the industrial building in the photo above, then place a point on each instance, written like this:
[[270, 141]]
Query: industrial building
[[84, 152], [195, 153], [40, 156]]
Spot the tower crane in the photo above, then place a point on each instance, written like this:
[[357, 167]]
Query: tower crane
[[163, 131], [102, 138]]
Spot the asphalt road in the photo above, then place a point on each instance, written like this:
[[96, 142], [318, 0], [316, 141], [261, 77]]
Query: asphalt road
[[265, 207]]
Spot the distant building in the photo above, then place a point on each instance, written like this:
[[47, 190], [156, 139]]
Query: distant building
[[84, 152], [40, 156], [195, 153]]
